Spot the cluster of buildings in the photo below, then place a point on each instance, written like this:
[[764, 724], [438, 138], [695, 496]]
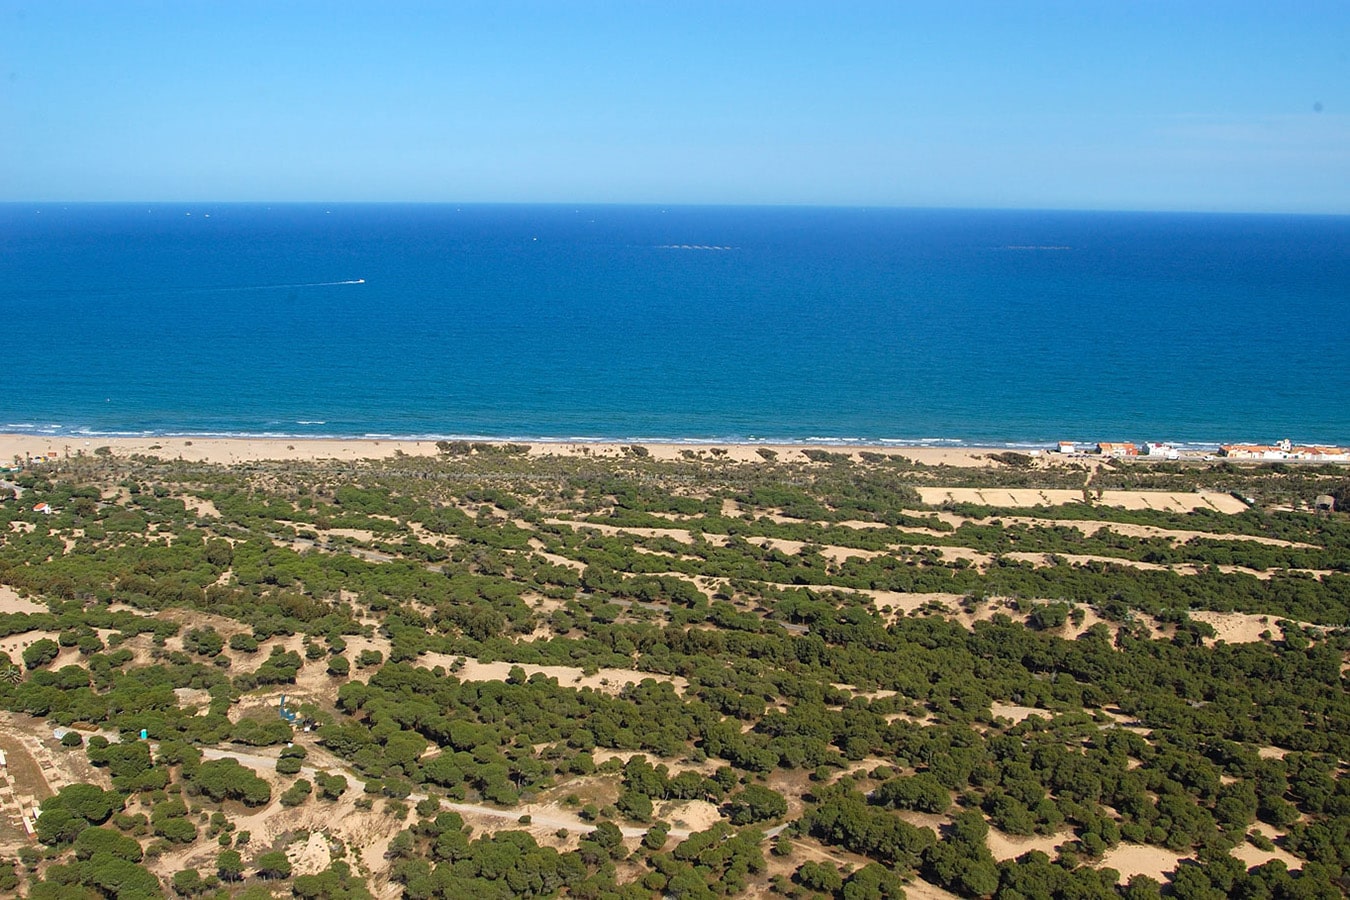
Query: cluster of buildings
[[1121, 449], [1283, 451]]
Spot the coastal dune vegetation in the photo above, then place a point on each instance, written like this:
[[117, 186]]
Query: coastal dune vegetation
[[483, 670]]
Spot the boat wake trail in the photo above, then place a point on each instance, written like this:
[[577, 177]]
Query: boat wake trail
[[277, 287], [272, 287]]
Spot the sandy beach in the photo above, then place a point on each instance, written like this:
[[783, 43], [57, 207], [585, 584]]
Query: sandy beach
[[227, 451]]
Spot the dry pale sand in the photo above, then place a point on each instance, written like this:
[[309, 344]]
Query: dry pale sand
[[901, 602], [1140, 859], [918, 889], [1127, 529], [1167, 501], [1048, 559], [610, 681], [1010, 846], [688, 815], [11, 602], [830, 552], [14, 645], [1254, 856], [1017, 714], [232, 450], [602, 755], [1236, 628], [681, 535]]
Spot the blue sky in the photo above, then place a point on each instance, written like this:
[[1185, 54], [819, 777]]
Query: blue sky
[[1241, 106]]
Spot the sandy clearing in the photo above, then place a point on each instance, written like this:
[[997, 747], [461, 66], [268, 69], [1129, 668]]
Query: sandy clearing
[[1038, 559], [1235, 627], [1173, 502], [192, 697], [1018, 713], [880, 694], [11, 602], [537, 547], [1140, 859], [1047, 559], [15, 644], [1000, 497], [363, 535], [1009, 846], [1072, 632], [1166, 501], [311, 857], [679, 534], [950, 554], [205, 509], [608, 681], [918, 889], [901, 602], [830, 552], [602, 755], [1254, 856], [691, 816], [1127, 529]]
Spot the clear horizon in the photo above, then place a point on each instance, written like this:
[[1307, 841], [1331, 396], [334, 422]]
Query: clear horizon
[[655, 204], [1238, 107]]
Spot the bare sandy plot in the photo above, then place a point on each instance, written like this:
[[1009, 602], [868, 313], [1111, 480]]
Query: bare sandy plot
[[918, 889], [1017, 713], [205, 509], [609, 681], [679, 534], [1234, 627], [1127, 529], [1139, 859], [1009, 497], [11, 602], [1010, 846], [1173, 502], [1166, 501], [949, 553], [15, 644], [602, 755], [901, 602], [1255, 856], [830, 552], [1048, 559], [310, 857], [689, 815], [538, 547]]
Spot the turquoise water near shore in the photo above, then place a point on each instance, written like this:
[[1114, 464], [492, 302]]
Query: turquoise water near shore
[[680, 323]]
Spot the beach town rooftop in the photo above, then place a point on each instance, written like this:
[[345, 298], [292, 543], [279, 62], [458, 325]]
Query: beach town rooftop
[[1285, 450]]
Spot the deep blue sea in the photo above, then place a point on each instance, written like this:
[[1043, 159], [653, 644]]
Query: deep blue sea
[[681, 323]]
